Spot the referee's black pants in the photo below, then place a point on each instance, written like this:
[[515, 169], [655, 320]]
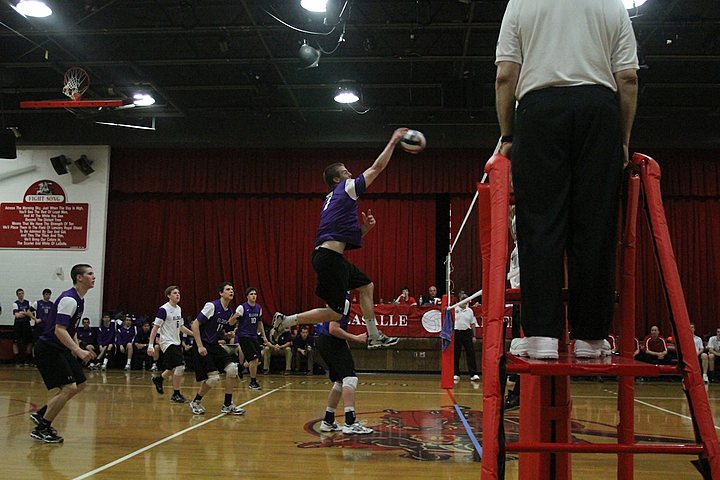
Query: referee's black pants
[[567, 169], [463, 340]]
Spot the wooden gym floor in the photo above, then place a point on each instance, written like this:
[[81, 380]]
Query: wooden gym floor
[[119, 428]]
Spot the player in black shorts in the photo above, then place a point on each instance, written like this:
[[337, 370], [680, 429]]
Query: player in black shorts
[[332, 343], [57, 354]]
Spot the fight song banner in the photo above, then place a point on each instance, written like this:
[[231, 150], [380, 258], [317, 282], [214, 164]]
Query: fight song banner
[[44, 220], [412, 321]]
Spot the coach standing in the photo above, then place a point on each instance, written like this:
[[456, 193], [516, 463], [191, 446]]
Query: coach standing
[[57, 354], [571, 65]]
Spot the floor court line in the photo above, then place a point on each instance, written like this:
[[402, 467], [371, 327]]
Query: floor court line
[[170, 437]]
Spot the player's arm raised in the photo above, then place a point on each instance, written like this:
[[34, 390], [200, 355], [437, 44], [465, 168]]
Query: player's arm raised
[[384, 158]]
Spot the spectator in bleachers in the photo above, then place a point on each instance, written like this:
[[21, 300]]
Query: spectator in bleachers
[[701, 352], [140, 345], [124, 340], [303, 345], [283, 347], [431, 298], [713, 348], [22, 325], [654, 348], [106, 341], [86, 337], [405, 298]]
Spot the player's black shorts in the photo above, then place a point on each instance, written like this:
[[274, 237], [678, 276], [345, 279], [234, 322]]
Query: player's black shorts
[[172, 357], [338, 357], [335, 277], [250, 348], [23, 333], [58, 367], [216, 360]]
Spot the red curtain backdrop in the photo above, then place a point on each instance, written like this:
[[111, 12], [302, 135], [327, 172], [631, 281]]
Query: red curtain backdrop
[[197, 217]]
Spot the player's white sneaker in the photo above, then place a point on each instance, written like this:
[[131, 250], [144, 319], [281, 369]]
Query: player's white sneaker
[[356, 429], [232, 410], [329, 427], [277, 326], [382, 341], [197, 408]]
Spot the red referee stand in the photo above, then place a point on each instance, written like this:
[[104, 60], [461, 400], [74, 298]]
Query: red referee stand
[[545, 441]]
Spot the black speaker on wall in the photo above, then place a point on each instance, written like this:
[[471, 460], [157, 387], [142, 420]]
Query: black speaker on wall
[[7, 144], [84, 165], [60, 164]]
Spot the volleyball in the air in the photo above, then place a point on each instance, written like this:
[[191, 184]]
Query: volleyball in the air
[[413, 141]]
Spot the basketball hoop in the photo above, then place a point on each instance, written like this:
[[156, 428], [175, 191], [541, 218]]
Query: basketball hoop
[[77, 82]]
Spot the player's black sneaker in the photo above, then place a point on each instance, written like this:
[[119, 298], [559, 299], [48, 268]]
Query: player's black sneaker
[[46, 434], [178, 398], [36, 418], [158, 381]]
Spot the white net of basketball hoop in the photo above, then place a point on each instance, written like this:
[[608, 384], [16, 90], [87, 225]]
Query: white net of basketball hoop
[[76, 82]]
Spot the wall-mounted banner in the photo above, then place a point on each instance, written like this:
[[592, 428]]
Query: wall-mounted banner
[[44, 220]]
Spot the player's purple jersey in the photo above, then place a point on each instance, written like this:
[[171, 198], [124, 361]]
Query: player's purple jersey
[[19, 306], [68, 311], [339, 215], [43, 309], [87, 335], [211, 325], [106, 335], [247, 323], [125, 335]]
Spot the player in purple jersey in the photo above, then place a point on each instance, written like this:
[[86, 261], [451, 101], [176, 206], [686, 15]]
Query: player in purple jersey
[[340, 230], [332, 343], [209, 356], [57, 354], [250, 325], [22, 326], [42, 312]]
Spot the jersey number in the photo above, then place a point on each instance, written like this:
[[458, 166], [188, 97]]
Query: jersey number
[[327, 201]]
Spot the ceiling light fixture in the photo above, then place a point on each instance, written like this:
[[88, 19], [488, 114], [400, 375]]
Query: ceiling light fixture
[[309, 56], [346, 92], [143, 100], [33, 8], [317, 6], [629, 4]]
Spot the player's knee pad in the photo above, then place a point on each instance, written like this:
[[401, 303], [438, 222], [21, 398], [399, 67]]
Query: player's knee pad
[[179, 370], [213, 380], [231, 369], [350, 382], [337, 387]]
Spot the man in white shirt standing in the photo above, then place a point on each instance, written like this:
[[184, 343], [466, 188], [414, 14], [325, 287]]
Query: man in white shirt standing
[[465, 325], [701, 353], [571, 65]]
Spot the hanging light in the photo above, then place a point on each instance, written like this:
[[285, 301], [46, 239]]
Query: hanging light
[[143, 100], [314, 5], [629, 4], [33, 8], [309, 56], [346, 92]]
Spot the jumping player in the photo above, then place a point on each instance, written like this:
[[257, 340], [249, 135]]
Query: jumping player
[[209, 356], [339, 230], [169, 322], [57, 354]]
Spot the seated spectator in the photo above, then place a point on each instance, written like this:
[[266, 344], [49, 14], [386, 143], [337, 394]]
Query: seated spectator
[[282, 347], [713, 349], [106, 341], [701, 352], [431, 298], [654, 348], [187, 342], [86, 337], [124, 340], [140, 345], [405, 298], [303, 346]]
